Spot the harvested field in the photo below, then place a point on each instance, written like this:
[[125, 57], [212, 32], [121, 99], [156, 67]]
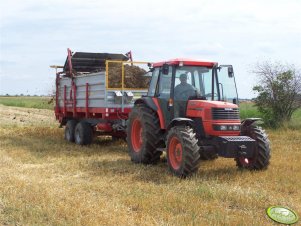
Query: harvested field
[[47, 181], [17, 116]]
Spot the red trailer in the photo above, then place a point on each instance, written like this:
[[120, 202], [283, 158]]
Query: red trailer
[[86, 104]]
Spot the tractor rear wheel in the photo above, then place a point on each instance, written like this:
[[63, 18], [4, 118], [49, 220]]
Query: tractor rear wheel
[[261, 158], [143, 135], [83, 133], [183, 155], [69, 130]]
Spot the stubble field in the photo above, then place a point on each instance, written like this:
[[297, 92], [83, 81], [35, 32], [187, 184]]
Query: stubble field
[[47, 181]]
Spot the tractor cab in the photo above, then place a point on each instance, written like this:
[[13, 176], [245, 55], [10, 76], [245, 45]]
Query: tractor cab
[[185, 88], [210, 81]]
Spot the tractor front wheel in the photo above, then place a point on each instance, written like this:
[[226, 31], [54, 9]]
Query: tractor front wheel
[[183, 155], [261, 158], [143, 135]]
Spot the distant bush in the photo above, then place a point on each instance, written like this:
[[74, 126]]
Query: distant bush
[[278, 90], [249, 110]]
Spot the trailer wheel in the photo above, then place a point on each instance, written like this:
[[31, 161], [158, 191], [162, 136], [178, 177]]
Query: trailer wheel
[[261, 158], [69, 130], [83, 133], [183, 155], [143, 135]]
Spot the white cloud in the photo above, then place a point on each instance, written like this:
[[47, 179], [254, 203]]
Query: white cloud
[[35, 34]]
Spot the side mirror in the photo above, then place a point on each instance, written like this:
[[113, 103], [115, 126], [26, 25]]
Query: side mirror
[[230, 72], [165, 69]]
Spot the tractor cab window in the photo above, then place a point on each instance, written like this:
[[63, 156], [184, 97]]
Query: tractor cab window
[[206, 84], [226, 85], [153, 83], [184, 84], [178, 80], [165, 84], [193, 81]]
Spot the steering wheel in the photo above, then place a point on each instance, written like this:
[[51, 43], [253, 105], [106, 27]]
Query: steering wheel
[[186, 94], [210, 95]]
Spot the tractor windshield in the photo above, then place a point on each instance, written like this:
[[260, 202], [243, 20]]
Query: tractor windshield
[[226, 85], [194, 81], [207, 83]]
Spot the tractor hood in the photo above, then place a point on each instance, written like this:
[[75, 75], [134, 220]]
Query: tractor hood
[[215, 114], [213, 111], [210, 104]]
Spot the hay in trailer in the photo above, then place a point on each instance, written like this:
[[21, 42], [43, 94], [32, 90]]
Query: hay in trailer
[[134, 76]]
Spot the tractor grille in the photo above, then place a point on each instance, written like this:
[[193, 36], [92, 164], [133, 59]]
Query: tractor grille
[[225, 113]]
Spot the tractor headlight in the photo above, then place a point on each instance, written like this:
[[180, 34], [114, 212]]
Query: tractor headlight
[[226, 127], [223, 127], [236, 127]]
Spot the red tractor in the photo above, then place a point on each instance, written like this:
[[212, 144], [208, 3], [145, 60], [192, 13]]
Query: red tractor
[[191, 111]]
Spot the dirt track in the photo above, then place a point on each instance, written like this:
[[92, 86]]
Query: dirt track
[[16, 116]]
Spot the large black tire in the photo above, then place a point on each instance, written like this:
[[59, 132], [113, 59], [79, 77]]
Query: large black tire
[[183, 155], [262, 155], [83, 133], [143, 135], [70, 130]]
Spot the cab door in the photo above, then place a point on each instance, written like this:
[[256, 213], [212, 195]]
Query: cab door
[[163, 94]]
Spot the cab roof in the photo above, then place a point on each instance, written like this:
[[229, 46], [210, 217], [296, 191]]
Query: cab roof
[[186, 62]]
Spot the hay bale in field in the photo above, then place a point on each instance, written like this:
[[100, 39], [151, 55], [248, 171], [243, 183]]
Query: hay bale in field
[[134, 76]]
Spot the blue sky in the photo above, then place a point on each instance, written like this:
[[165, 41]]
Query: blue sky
[[35, 34]]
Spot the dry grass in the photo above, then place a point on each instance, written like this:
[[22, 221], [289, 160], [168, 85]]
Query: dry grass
[[46, 181]]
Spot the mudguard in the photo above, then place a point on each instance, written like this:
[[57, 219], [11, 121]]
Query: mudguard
[[148, 102], [180, 121], [249, 121]]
